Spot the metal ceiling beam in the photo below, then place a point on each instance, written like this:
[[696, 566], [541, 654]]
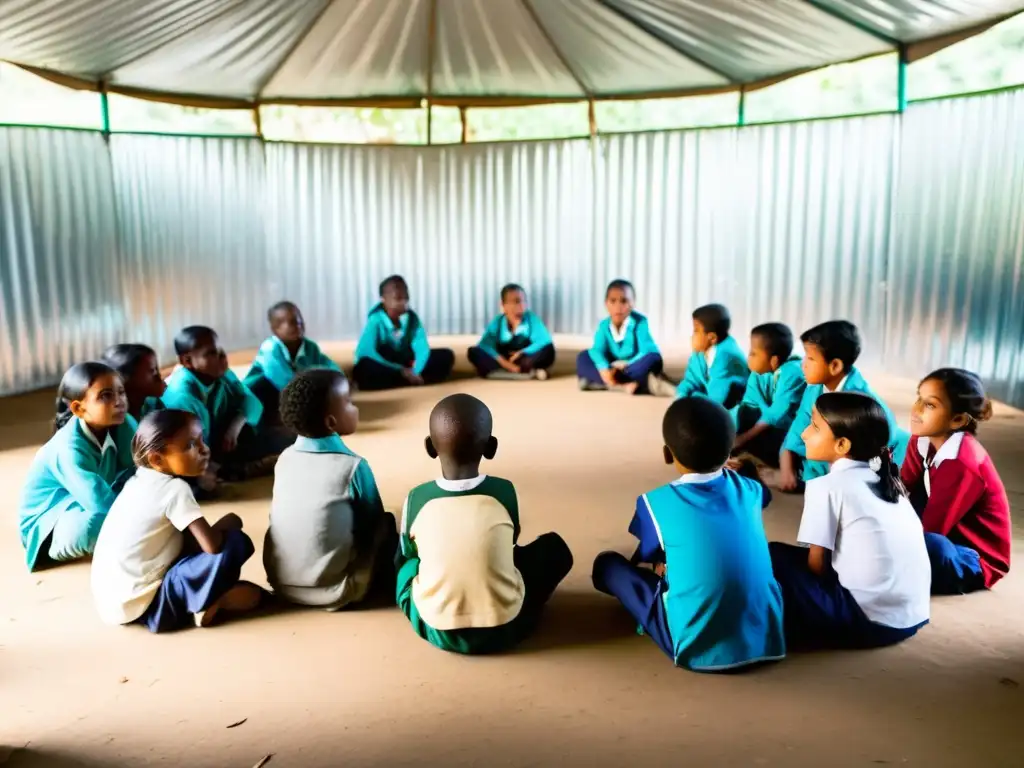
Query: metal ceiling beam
[[855, 23]]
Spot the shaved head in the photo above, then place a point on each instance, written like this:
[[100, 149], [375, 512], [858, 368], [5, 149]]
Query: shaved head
[[460, 429]]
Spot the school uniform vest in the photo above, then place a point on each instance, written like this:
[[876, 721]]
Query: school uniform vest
[[723, 605]]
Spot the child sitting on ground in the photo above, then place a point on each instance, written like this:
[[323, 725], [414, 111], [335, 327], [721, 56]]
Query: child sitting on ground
[[711, 602], [203, 384], [717, 368], [330, 540], [516, 344], [281, 356], [158, 562], [954, 486], [393, 350], [76, 476], [463, 582], [772, 396], [864, 581], [140, 372], [624, 354], [830, 351]]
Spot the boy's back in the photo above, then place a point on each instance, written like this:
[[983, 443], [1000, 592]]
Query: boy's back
[[463, 533], [723, 605]]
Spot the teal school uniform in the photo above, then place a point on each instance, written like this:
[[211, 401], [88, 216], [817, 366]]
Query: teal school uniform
[[854, 382], [718, 606], [722, 380], [394, 346], [774, 398], [631, 343], [70, 487], [216, 404], [529, 337], [274, 362]]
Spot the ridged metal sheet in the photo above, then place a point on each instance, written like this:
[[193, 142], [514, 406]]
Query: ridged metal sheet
[[60, 298], [958, 257], [783, 222], [191, 227], [457, 222]]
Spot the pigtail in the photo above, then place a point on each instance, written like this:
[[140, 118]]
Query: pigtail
[[890, 486], [63, 413]]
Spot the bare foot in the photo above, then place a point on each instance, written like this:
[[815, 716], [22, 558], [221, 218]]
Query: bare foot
[[241, 598], [631, 387]]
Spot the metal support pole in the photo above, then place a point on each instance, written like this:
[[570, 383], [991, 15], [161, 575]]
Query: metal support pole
[[464, 138], [257, 121], [430, 124], [901, 79], [105, 109], [741, 112]]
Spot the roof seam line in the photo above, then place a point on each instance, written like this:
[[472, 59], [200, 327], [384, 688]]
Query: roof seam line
[[299, 40], [665, 40], [105, 76], [855, 23], [558, 52]]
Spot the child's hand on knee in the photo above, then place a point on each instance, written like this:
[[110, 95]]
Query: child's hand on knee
[[608, 377], [411, 377]]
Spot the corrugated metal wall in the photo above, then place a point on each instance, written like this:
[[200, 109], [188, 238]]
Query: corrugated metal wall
[[60, 297], [958, 258], [795, 222], [190, 215]]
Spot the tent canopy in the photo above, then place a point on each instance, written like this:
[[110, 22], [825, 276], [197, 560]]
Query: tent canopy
[[462, 52]]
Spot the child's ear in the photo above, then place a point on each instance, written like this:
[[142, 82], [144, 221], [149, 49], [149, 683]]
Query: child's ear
[[835, 367], [775, 361], [185, 360], [156, 461], [843, 446], [712, 339], [959, 421], [331, 423], [491, 448], [666, 452], [76, 408], [431, 450]]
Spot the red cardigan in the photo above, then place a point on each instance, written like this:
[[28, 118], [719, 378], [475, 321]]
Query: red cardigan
[[967, 504]]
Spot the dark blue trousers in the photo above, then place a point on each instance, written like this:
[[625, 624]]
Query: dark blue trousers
[[639, 591], [819, 612], [637, 372], [956, 569], [485, 365], [370, 375], [195, 582]]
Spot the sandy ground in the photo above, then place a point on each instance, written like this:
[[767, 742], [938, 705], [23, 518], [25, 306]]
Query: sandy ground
[[359, 689]]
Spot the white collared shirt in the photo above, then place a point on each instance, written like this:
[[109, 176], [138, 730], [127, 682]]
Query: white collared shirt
[[878, 549], [839, 386], [108, 441], [709, 356], [460, 486], [696, 477], [619, 334], [949, 450]]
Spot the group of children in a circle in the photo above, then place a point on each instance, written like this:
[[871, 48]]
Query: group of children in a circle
[[888, 517]]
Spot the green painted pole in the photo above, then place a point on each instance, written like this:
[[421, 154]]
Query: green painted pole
[[105, 109], [741, 114], [901, 80]]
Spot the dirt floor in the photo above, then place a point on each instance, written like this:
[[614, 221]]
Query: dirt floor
[[359, 689]]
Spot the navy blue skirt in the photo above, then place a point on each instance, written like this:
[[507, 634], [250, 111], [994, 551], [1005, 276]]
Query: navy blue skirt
[[195, 582]]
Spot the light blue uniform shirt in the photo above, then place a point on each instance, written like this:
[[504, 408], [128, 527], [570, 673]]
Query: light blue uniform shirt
[[216, 405], [776, 396], [854, 382], [74, 474], [722, 603], [401, 346], [632, 342], [529, 337], [274, 362], [723, 380]]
